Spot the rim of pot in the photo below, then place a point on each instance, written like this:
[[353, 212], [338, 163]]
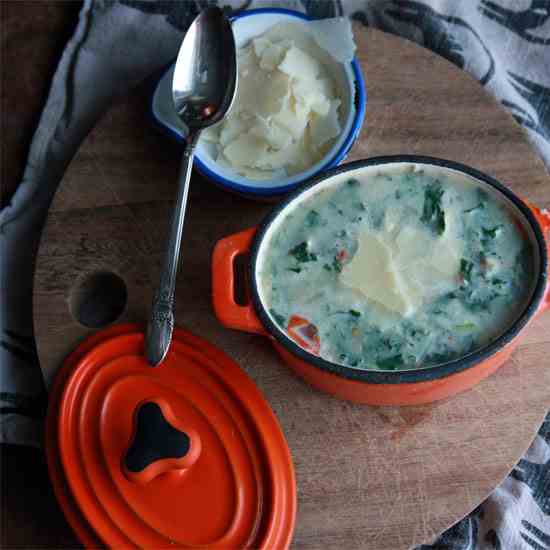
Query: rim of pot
[[410, 375]]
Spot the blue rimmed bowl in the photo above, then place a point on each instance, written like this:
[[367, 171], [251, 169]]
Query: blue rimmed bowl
[[351, 88]]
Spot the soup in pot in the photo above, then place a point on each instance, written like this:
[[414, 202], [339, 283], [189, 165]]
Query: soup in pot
[[398, 267]]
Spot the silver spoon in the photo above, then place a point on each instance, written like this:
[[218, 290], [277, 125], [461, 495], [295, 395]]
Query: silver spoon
[[203, 88]]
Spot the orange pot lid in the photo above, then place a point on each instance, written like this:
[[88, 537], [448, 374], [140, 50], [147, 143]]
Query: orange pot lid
[[184, 454]]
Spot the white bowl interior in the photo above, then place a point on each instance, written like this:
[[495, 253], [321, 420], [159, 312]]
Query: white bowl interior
[[244, 29]]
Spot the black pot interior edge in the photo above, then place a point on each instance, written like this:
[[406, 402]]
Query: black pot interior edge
[[413, 375]]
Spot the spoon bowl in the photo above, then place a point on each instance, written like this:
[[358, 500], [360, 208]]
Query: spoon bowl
[[205, 76]]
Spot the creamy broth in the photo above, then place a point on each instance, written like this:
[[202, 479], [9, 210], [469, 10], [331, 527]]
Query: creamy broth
[[396, 268]]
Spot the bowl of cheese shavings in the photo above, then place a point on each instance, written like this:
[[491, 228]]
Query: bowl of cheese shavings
[[299, 106]]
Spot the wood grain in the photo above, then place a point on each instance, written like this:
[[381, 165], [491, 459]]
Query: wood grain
[[375, 478]]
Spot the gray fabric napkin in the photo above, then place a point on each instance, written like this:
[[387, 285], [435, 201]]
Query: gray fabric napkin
[[505, 44]]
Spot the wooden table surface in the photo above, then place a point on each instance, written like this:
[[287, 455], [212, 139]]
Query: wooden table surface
[[392, 477]]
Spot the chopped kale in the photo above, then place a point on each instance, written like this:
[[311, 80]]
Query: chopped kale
[[497, 287], [278, 317], [397, 194], [377, 217], [414, 333], [478, 297], [295, 269], [302, 254], [491, 233], [313, 218], [390, 363], [480, 206], [482, 194], [327, 267], [466, 270], [488, 236], [347, 360], [441, 303], [352, 182], [476, 303], [432, 213], [336, 265], [360, 206], [352, 312]]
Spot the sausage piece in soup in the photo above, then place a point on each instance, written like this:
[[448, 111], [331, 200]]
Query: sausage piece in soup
[[397, 268]]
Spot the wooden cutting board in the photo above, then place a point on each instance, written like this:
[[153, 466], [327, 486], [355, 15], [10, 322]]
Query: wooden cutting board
[[376, 478]]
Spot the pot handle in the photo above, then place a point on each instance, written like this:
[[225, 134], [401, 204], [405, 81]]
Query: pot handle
[[228, 312], [543, 217]]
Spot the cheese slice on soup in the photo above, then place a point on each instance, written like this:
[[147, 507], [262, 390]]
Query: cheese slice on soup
[[372, 271]]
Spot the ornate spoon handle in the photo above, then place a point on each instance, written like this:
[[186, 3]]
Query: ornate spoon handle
[[161, 321]]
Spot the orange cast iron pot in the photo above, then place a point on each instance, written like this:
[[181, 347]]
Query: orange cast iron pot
[[408, 387]]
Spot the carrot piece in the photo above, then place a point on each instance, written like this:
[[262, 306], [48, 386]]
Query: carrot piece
[[341, 255], [304, 333]]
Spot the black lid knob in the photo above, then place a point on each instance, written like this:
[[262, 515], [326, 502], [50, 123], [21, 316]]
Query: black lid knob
[[155, 441]]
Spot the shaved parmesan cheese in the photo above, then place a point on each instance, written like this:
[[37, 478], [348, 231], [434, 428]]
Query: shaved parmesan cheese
[[445, 260], [232, 129], [259, 44], [272, 99], [276, 136], [274, 94], [292, 120], [211, 134], [325, 127], [326, 87], [274, 159], [245, 148], [273, 54], [321, 106], [297, 156], [286, 114], [298, 64], [412, 243], [246, 60], [253, 173], [397, 271], [310, 93], [372, 272], [222, 161]]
